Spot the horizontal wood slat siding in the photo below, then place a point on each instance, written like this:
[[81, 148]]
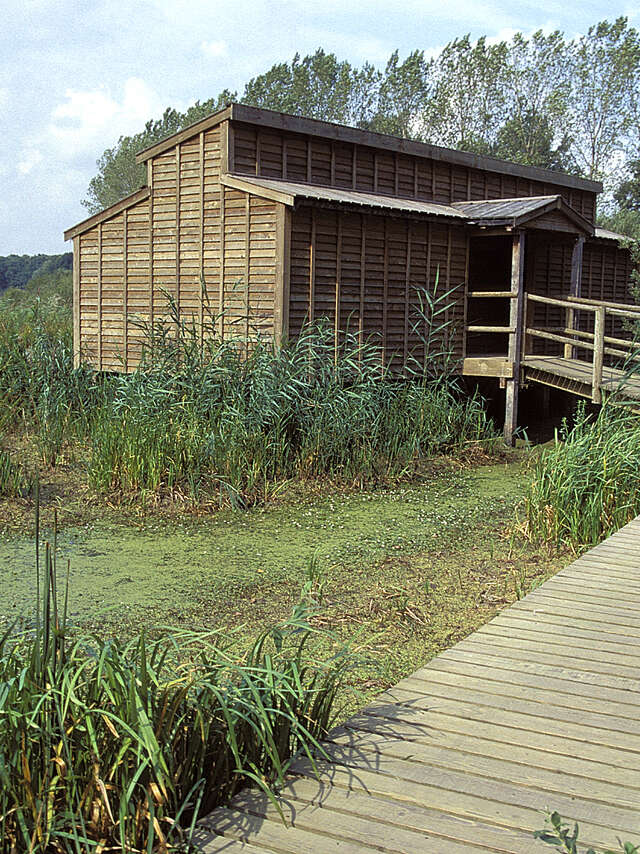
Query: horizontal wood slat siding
[[343, 265], [113, 288], [296, 157], [167, 249]]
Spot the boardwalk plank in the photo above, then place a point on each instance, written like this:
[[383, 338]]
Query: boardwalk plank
[[538, 709]]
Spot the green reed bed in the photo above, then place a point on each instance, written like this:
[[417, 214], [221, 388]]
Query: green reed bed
[[107, 745], [207, 419], [587, 484], [240, 423]]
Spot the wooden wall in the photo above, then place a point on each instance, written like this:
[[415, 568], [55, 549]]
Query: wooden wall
[[168, 248], [363, 272], [111, 268], [279, 154]]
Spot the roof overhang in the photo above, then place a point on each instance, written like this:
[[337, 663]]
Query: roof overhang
[[525, 212], [330, 130], [128, 202], [291, 193]]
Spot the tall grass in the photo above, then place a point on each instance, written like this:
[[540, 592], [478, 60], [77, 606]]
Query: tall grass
[[209, 417], [587, 484], [107, 745], [241, 422]]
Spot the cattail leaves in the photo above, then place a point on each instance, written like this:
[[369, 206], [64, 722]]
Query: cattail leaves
[[106, 743]]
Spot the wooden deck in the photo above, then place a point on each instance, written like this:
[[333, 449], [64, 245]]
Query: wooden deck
[[576, 376], [538, 709]]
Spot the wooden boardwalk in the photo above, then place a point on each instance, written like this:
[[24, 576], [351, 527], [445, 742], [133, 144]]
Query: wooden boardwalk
[[538, 709], [576, 376]]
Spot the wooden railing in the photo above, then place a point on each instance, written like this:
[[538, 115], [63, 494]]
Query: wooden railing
[[572, 338]]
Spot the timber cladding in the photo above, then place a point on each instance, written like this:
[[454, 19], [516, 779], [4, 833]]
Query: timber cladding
[[367, 274], [190, 248], [270, 153], [253, 223]]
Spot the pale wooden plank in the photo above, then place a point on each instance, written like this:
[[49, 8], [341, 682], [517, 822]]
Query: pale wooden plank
[[358, 803], [548, 779], [325, 820], [455, 794]]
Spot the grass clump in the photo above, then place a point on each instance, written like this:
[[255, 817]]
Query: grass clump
[[107, 745], [15, 481], [587, 484]]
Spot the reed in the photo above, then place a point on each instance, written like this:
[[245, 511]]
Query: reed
[[587, 484], [110, 745]]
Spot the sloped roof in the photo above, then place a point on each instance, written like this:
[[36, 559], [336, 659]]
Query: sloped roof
[[515, 212], [331, 130], [605, 234], [288, 191]]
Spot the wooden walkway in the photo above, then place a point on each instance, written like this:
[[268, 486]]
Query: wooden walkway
[[538, 709], [576, 376]]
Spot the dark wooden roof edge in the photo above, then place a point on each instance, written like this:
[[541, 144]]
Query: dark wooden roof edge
[[344, 133], [139, 196]]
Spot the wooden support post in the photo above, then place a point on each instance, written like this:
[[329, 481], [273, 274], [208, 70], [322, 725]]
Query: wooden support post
[[515, 337], [178, 229], [99, 317], [247, 253], [598, 354], [363, 267], [201, 245], [576, 282]]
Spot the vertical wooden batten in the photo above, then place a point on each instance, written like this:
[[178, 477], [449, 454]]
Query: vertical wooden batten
[[76, 302], [99, 314], [363, 268], [247, 252], [283, 268], [177, 296], [312, 267], [465, 303], [407, 285], [385, 289], [336, 324], [221, 277], [224, 149], [125, 292], [427, 287], [201, 245], [515, 336]]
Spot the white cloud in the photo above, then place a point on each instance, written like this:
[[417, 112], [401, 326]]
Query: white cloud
[[29, 160], [88, 120], [4, 96], [215, 49]]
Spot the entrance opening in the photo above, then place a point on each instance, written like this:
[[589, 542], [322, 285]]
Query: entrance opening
[[489, 272]]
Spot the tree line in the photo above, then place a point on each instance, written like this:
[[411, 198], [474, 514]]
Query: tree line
[[16, 271], [542, 100]]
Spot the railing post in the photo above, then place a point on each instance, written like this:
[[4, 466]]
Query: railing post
[[570, 317], [515, 337], [598, 355]]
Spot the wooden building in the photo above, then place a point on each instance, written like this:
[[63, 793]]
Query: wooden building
[[264, 221]]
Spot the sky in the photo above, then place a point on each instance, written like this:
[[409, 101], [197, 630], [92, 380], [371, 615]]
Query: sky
[[74, 76]]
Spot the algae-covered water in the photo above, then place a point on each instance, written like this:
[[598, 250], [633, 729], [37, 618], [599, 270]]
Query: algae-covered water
[[165, 572]]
